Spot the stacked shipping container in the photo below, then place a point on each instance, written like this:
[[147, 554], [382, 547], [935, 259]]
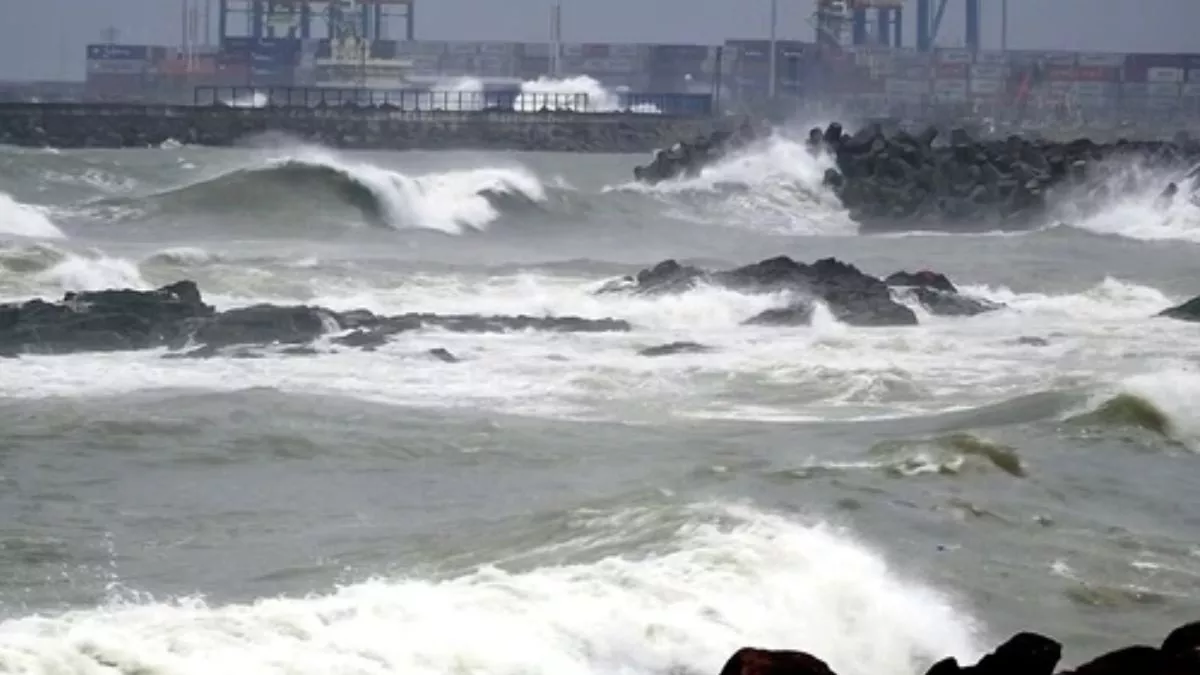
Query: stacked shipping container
[[120, 71]]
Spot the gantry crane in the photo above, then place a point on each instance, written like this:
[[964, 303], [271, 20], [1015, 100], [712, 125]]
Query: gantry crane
[[846, 22]]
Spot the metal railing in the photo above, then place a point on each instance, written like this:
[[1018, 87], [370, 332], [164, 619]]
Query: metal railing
[[673, 105]]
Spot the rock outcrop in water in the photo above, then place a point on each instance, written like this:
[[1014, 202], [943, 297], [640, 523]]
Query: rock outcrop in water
[[1188, 311], [1023, 654], [852, 296], [895, 179], [176, 317]]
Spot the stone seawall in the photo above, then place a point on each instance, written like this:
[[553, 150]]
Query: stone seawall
[[126, 126]]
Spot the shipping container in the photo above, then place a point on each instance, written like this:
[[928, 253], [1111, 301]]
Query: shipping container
[[109, 84], [272, 59], [628, 51], [953, 71], [986, 87], [1135, 90], [1097, 74], [1096, 89], [425, 63], [459, 49], [535, 50], [988, 72], [1193, 75], [1163, 103], [1162, 90], [1164, 75], [1147, 61], [496, 65], [532, 66], [117, 67], [118, 53], [678, 53], [954, 56], [571, 50], [420, 48], [500, 49], [1096, 103], [942, 86], [1059, 73], [384, 49], [991, 58], [913, 73], [611, 65], [594, 51], [1191, 89], [458, 64], [1057, 87], [950, 96], [906, 87], [1101, 60]]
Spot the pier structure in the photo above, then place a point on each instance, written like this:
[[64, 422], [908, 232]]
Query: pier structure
[[304, 19]]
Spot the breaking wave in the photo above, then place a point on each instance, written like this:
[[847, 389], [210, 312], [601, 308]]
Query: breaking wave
[[312, 181], [714, 578], [22, 220]]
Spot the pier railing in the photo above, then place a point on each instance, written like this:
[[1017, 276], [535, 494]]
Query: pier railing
[[423, 101]]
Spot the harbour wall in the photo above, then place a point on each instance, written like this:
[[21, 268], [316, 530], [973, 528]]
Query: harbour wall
[[82, 125]]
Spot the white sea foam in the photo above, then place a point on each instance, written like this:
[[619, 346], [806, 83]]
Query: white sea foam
[[754, 579], [23, 220]]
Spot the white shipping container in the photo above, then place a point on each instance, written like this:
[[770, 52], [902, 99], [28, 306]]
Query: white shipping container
[[906, 87], [949, 87], [497, 48], [571, 49], [1102, 60], [988, 72], [1164, 75], [953, 56], [987, 87], [463, 48], [1162, 90], [1191, 89], [991, 58]]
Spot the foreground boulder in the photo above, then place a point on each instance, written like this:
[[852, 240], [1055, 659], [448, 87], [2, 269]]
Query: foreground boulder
[[1023, 654], [176, 317], [894, 179], [852, 296]]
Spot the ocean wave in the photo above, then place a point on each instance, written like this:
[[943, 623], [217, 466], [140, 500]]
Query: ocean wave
[[720, 577], [314, 180]]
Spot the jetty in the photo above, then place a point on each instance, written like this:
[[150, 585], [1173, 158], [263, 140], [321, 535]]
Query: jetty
[[357, 119]]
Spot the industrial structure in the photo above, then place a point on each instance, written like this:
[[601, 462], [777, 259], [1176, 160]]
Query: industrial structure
[[304, 19], [849, 22]]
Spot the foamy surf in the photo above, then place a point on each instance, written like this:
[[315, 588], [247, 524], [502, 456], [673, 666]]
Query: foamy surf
[[774, 186], [23, 220], [725, 577]]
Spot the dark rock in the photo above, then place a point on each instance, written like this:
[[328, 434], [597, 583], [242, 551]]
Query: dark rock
[[675, 348], [1183, 646], [1188, 311], [175, 316], [1028, 341], [749, 661], [1024, 653], [853, 297], [938, 295], [797, 314], [443, 355], [1139, 659]]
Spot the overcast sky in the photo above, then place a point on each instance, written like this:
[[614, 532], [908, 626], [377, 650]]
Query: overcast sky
[[44, 39]]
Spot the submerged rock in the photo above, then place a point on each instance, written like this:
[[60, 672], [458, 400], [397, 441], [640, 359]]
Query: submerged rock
[[675, 348], [175, 316], [1188, 311], [938, 295], [852, 296]]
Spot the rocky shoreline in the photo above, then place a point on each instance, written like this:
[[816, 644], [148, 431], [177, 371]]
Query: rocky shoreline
[[893, 179], [1023, 654], [176, 318], [67, 126]]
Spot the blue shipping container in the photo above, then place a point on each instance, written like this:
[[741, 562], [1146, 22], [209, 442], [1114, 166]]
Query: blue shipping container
[[118, 53]]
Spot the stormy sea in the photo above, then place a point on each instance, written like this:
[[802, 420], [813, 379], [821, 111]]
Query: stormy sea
[[561, 503]]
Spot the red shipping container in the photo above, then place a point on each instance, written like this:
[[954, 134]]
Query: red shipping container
[[952, 71], [595, 51], [1097, 74]]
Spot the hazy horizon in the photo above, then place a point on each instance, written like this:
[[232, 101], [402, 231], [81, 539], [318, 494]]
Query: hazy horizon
[[46, 40]]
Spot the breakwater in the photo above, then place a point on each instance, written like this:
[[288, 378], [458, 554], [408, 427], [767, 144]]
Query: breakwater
[[83, 125]]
